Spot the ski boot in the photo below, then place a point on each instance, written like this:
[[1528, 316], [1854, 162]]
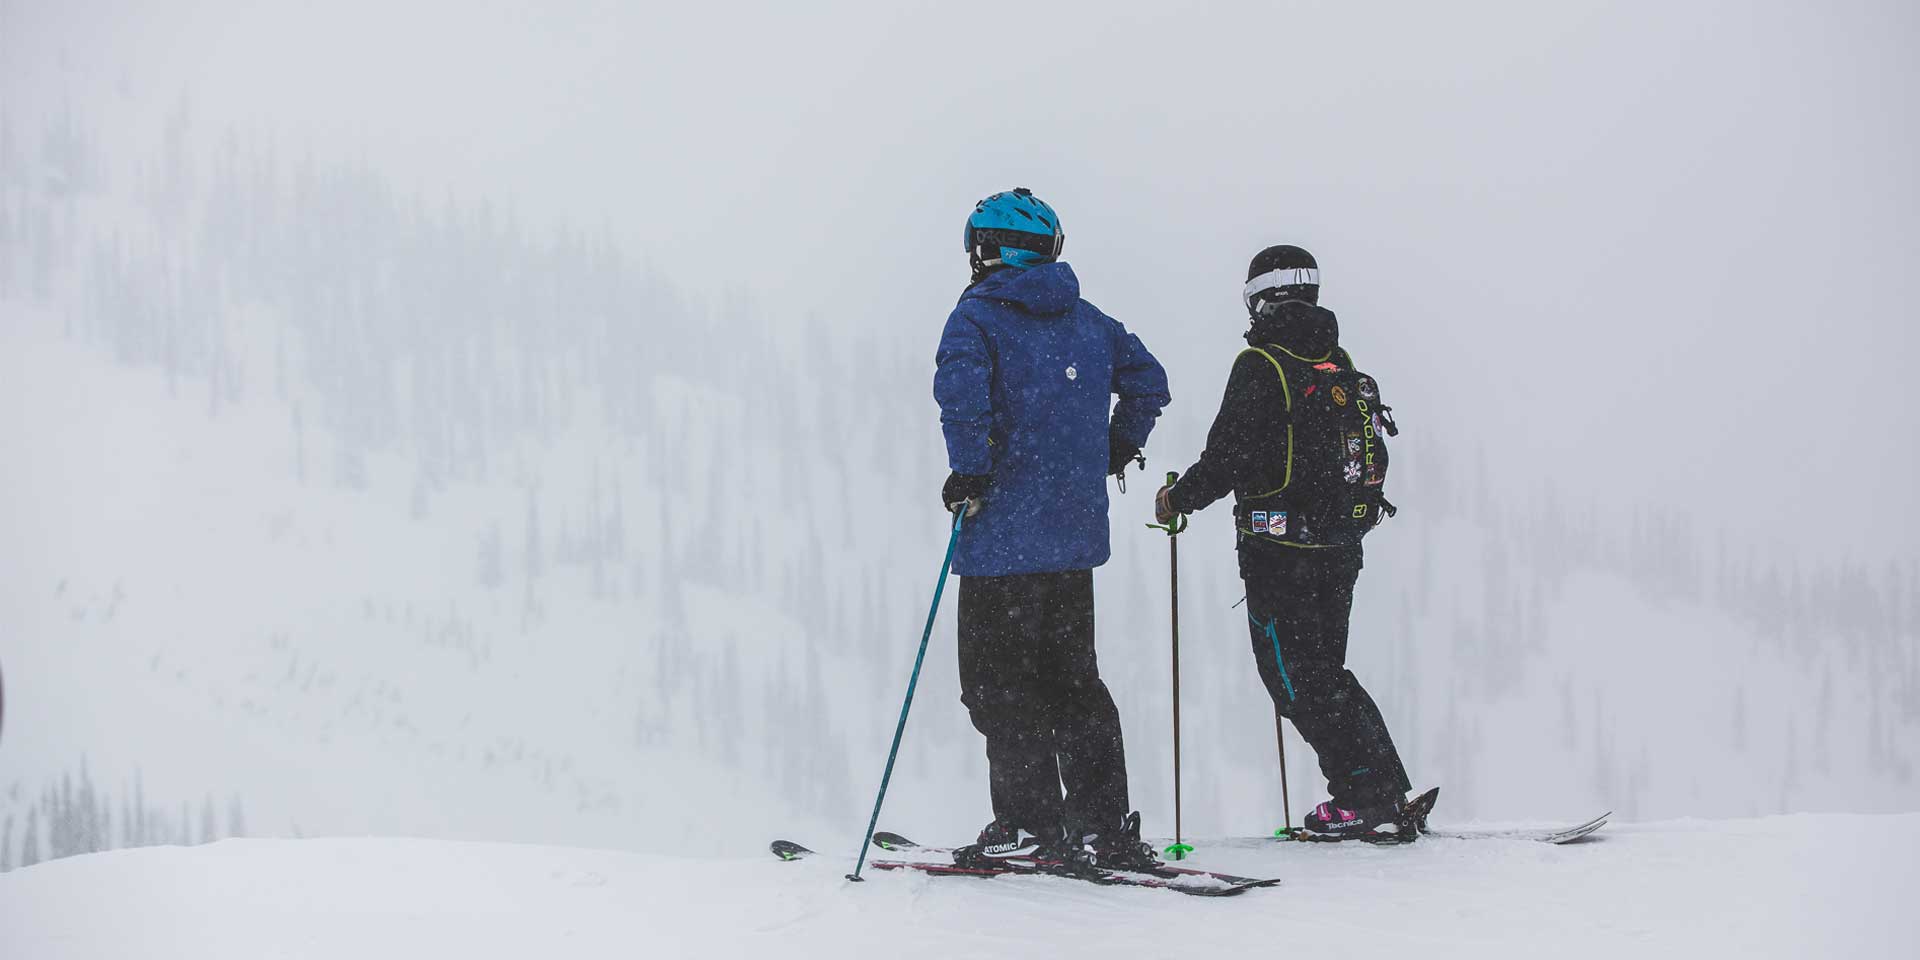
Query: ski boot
[[1382, 822], [1123, 849], [1002, 844]]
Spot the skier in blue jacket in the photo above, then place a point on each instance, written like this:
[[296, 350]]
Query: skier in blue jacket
[[1026, 375]]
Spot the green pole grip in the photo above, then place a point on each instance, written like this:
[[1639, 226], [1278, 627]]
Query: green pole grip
[[1179, 521]]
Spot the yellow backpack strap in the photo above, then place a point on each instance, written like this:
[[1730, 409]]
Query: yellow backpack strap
[[1285, 390], [1290, 353]]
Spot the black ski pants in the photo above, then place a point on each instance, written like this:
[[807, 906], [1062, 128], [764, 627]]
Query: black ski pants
[[1029, 678], [1298, 602]]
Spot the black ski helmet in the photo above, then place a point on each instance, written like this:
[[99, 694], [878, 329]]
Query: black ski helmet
[[1278, 274]]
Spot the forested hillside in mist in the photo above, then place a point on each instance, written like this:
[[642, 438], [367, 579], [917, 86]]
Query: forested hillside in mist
[[337, 506]]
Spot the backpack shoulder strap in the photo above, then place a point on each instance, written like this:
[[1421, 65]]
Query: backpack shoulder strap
[[1285, 390], [1286, 393], [1307, 360]]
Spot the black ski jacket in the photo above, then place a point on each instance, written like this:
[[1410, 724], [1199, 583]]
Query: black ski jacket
[[1246, 448]]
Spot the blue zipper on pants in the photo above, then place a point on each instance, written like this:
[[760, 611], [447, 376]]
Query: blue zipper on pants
[[1273, 634]]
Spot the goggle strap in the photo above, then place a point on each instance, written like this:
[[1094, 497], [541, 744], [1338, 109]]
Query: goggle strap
[[1049, 244]]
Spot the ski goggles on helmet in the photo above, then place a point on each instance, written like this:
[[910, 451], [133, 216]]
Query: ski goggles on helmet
[[1045, 244], [1274, 279]]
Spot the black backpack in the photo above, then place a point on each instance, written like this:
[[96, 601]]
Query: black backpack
[[1332, 492]]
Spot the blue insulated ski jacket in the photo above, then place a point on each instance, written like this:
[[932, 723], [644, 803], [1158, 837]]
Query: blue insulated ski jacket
[[1026, 375]]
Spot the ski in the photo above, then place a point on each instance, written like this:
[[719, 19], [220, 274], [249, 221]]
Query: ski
[[1198, 883], [895, 843], [1192, 883], [1414, 824], [1556, 835], [788, 850]]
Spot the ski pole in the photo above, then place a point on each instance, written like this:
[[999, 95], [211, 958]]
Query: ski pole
[[1179, 849], [1286, 807], [953, 540]]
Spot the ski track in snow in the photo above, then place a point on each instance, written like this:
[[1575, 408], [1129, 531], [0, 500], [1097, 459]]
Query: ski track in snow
[[1746, 888]]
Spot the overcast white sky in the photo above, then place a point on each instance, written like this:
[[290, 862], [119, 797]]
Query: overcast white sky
[[1667, 249]]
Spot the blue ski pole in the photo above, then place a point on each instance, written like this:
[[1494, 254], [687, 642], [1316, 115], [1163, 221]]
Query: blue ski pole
[[959, 514]]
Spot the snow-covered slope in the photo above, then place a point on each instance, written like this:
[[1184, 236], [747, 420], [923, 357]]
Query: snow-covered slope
[[1778, 887], [330, 510]]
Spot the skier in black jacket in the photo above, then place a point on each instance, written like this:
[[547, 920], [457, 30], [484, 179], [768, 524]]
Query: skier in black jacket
[[1299, 529]]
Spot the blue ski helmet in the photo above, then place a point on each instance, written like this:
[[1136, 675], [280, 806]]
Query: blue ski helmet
[[1015, 229]]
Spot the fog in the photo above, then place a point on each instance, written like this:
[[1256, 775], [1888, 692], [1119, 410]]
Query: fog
[[475, 421]]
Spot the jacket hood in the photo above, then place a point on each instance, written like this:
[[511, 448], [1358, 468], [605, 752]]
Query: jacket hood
[[1302, 327], [1048, 290]]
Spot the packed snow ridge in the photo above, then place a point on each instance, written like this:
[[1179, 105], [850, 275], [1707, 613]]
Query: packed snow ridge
[[1793, 886]]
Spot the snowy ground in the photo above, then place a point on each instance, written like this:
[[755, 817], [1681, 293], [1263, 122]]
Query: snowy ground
[[1746, 888]]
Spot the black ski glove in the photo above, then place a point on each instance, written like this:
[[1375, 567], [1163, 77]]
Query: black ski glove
[[970, 488], [1120, 453]]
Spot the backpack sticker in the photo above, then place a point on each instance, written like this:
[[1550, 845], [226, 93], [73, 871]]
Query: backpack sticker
[[1336, 456]]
